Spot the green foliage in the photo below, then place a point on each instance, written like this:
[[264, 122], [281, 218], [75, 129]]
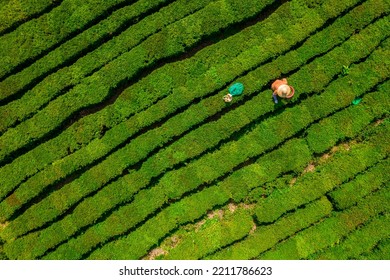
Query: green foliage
[[37, 36], [226, 183], [14, 12], [207, 199], [359, 241], [347, 123], [138, 205], [127, 65], [380, 252], [67, 77], [325, 179], [371, 180], [213, 235], [171, 191], [82, 131], [186, 210], [3, 256], [154, 198], [265, 237], [147, 199], [330, 231]]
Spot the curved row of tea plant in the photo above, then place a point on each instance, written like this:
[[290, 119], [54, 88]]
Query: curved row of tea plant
[[203, 247], [139, 99], [172, 40], [380, 252], [213, 235], [71, 190], [173, 125], [329, 231], [187, 209], [116, 183], [358, 242], [158, 196], [12, 14], [325, 181], [264, 241], [52, 29], [130, 101], [363, 185], [130, 246], [63, 80]]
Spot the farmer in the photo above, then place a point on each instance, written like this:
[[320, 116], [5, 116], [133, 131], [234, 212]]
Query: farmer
[[235, 90], [282, 89]]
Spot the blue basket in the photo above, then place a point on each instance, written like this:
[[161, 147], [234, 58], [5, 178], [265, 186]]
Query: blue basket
[[236, 89]]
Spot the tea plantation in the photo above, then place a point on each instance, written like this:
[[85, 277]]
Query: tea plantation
[[115, 142]]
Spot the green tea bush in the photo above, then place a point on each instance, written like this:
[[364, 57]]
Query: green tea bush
[[37, 36], [89, 127], [325, 134], [359, 241], [212, 236], [324, 180], [331, 230], [348, 194], [215, 134], [380, 252], [265, 237], [12, 14], [249, 173], [63, 80], [128, 65], [119, 181], [198, 175]]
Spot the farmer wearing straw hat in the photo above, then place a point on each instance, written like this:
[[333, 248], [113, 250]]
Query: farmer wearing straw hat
[[235, 90], [282, 89]]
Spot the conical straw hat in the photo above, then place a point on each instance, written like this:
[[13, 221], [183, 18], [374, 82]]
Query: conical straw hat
[[285, 91]]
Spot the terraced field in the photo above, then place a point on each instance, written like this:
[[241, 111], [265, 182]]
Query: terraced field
[[115, 142]]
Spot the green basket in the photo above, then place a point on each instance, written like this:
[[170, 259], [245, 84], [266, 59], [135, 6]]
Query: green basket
[[236, 89]]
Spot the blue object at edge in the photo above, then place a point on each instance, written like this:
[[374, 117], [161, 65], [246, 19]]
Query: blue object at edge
[[275, 98]]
